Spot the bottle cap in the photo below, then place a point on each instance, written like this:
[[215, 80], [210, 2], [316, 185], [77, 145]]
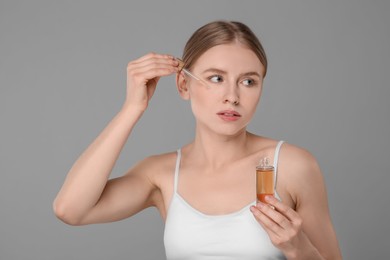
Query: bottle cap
[[264, 164]]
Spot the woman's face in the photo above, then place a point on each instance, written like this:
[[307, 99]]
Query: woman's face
[[233, 74]]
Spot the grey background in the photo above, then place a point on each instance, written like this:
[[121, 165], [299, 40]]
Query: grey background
[[62, 79]]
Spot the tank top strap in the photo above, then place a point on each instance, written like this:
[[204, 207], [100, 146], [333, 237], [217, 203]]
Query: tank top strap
[[176, 178], [276, 158]]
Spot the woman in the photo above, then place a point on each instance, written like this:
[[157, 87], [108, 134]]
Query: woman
[[205, 192]]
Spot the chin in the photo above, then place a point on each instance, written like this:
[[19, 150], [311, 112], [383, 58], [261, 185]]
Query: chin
[[229, 131], [224, 129]]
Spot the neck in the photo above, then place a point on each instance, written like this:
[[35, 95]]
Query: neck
[[214, 150]]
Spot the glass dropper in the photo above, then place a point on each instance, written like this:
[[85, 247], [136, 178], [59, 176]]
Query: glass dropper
[[181, 67]]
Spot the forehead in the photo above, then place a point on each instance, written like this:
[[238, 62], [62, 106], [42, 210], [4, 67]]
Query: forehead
[[229, 57]]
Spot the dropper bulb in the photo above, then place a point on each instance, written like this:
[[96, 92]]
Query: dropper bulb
[[264, 162]]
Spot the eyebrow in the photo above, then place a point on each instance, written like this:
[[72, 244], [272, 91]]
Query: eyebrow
[[219, 71]]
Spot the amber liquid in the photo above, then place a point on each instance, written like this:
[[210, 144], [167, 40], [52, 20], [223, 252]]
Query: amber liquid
[[264, 182], [261, 197]]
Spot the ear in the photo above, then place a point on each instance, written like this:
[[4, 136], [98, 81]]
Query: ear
[[182, 86]]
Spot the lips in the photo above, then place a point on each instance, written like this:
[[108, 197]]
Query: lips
[[229, 115]]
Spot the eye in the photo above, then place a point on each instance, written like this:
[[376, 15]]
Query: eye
[[249, 82], [216, 78]]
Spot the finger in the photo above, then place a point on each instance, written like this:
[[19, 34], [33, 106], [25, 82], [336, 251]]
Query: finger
[[153, 70], [282, 208], [142, 71], [146, 62], [152, 88], [153, 55], [274, 215], [149, 56], [268, 224], [158, 63], [138, 69]]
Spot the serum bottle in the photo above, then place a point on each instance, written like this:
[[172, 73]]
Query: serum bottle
[[265, 174]]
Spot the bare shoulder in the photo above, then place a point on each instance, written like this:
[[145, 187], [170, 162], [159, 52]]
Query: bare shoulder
[[291, 155], [297, 158], [299, 172]]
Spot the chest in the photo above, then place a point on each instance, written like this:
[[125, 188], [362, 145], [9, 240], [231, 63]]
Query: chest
[[190, 234], [218, 192]]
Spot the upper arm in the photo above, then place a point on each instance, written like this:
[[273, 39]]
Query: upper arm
[[312, 205], [124, 196]]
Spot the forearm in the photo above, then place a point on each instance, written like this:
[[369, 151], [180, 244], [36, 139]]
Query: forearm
[[309, 253], [312, 253], [88, 176], [305, 250]]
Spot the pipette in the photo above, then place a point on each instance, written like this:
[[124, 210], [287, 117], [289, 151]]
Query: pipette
[[181, 67]]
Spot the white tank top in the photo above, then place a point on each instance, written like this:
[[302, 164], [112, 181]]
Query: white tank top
[[192, 235]]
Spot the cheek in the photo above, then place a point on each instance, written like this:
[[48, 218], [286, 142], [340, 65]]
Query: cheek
[[249, 102], [250, 98], [201, 100], [197, 102], [199, 94]]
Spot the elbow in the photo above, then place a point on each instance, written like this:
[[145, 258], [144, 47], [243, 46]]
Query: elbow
[[66, 214]]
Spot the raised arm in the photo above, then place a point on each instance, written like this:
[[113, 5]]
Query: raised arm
[[87, 195]]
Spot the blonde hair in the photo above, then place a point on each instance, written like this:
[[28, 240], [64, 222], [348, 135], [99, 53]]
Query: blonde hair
[[221, 32]]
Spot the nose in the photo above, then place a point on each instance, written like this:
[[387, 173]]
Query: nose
[[231, 95]]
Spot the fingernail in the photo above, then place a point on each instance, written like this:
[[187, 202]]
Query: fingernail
[[268, 198]]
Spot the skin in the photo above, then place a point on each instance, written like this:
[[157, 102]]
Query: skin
[[299, 224]]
